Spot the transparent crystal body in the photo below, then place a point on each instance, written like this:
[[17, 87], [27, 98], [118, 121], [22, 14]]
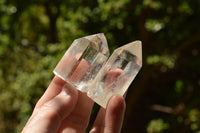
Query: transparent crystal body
[[117, 74], [82, 61]]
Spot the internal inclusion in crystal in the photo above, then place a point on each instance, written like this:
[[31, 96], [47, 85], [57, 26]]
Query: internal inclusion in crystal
[[95, 61], [115, 77], [82, 61]]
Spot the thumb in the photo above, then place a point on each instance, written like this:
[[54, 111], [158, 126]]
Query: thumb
[[48, 118]]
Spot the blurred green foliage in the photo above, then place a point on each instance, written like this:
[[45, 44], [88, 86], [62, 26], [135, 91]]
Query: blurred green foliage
[[157, 126], [165, 95]]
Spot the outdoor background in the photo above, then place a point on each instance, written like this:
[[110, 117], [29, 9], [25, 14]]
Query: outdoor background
[[164, 97]]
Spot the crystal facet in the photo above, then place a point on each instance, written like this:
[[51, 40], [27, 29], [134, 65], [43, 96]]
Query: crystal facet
[[82, 61], [117, 74]]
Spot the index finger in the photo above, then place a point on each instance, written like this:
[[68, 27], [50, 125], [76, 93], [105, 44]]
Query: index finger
[[53, 90]]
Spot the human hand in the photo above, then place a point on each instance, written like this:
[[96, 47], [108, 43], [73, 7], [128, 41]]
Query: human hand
[[63, 109]]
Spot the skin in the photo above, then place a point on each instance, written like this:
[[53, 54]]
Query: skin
[[63, 109]]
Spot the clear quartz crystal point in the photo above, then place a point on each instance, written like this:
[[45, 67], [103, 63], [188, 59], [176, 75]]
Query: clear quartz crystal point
[[83, 60], [117, 74]]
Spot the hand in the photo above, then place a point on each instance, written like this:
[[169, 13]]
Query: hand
[[63, 109]]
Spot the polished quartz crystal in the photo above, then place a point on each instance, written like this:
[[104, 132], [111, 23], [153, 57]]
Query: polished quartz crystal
[[82, 61], [117, 74]]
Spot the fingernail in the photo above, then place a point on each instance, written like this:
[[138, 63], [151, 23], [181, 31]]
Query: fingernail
[[93, 130]]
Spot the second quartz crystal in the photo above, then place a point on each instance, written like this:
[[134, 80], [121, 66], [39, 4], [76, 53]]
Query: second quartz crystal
[[117, 74]]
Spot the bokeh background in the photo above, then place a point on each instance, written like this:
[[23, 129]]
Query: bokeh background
[[164, 97]]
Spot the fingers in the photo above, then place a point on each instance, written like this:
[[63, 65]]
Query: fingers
[[49, 116], [98, 124], [110, 121], [53, 90], [114, 115], [57, 83], [78, 120]]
